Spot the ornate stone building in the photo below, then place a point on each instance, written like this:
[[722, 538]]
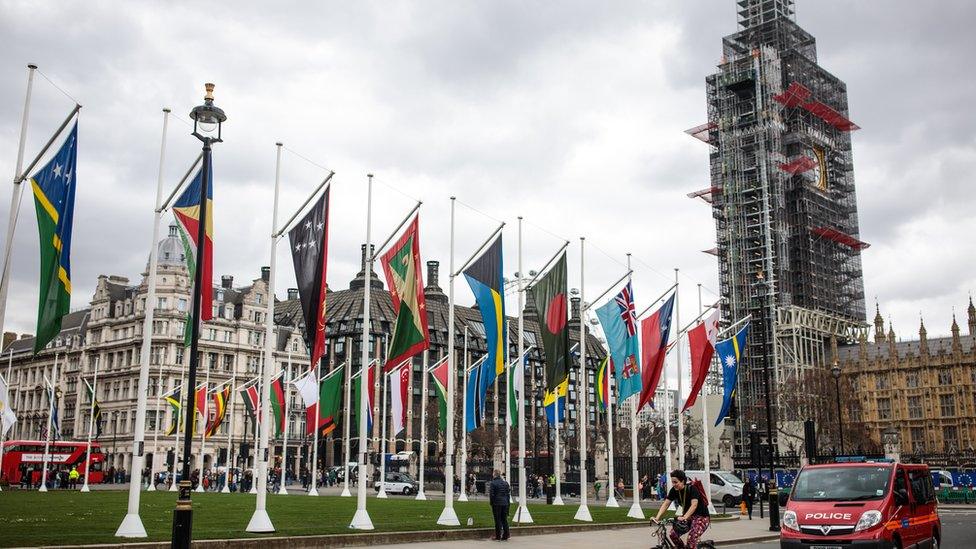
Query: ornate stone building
[[924, 388]]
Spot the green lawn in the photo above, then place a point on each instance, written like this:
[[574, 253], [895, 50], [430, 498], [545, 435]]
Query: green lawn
[[32, 518]]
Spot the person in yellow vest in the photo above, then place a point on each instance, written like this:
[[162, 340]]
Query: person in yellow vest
[[73, 478]]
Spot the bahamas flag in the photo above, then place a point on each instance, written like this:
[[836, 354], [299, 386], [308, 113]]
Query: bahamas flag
[[485, 278], [556, 400], [187, 212], [730, 352], [603, 383], [54, 199]]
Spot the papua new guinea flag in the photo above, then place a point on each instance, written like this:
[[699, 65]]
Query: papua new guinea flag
[[309, 252]]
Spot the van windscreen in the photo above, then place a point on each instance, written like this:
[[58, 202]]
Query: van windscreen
[[841, 484]]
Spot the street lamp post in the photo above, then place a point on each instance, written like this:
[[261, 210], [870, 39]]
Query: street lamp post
[[773, 492], [835, 371], [207, 119]]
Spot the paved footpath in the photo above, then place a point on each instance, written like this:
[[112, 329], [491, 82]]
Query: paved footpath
[[725, 532]]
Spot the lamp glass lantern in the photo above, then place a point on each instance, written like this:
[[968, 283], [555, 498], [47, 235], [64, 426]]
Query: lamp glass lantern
[[208, 118]]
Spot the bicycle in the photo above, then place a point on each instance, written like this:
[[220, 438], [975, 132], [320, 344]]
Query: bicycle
[[664, 541]]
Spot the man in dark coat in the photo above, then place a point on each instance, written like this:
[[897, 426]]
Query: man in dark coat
[[499, 496]]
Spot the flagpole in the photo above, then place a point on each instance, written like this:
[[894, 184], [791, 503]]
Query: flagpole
[[522, 515], [704, 407], [361, 520], [583, 513], [91, 425], [15, 197], [681, 421], [52, 402], [260, 520], [285, 384], [462, 495], [508, 408], [176, 435], [423, 427], [345, 426], [314, 491], [635, 508], [3, 436], [152, 462], [381, 494], [205, 415], [611, 481], [229, 409], [558, 500], [448, 516]]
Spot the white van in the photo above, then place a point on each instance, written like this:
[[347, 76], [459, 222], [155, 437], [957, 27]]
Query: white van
[[725, 486]]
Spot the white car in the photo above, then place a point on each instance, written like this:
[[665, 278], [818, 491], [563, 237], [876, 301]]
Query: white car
[[725, 486], [398, 483]]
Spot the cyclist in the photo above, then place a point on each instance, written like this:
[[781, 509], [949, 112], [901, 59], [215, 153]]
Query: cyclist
[[693, 519]]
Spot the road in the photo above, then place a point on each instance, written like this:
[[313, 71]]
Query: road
[[957, 527]]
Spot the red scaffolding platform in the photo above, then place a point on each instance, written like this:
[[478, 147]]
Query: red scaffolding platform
[[798, 95], [840, 238], [702, 132], [799, 164], [706, 194]]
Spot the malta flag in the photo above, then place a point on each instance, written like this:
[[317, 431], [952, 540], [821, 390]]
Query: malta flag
[[187, 212], [399, 380], [701, 339]]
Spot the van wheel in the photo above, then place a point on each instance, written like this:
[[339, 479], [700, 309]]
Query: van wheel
[[407, 491], [728, 500]]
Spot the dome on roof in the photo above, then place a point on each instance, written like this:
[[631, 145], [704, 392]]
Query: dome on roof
[[170, 249]]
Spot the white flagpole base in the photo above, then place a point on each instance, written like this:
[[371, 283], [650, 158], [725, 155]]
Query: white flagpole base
[[225, 489], [172, 487], [583, 514], [381, 494], [43, 487], [558, 500], [421, 496], [522, 515], [448, 517], [711, 509], [345, 492], [282, 491], [131, 527], [361, 520], [463, 497], [85, 488], [199, 489], [313, 491], [151, 488], [253, 490], [635, 512], [612, 501], [260, 522]]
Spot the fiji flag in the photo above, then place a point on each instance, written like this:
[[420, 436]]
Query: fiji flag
[[187, 212], [554, 401], [54, 199], [730, 352], [619, 321], [485, 278]]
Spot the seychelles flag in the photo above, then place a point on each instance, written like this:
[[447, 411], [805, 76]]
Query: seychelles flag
[[730, 352], [187, 212]]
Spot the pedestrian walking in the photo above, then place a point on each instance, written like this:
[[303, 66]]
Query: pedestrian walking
[[749, 495], [499, 496]]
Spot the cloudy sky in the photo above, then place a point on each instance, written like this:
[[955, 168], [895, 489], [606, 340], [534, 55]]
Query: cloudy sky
[[568, 113]]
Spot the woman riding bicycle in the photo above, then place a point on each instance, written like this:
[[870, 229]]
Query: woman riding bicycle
[[694, 510]]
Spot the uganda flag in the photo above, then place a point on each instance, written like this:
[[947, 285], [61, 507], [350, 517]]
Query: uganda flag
[[485, 278], [550, 305], [187, 212], [401, 264], [54, 199], [309, 252]]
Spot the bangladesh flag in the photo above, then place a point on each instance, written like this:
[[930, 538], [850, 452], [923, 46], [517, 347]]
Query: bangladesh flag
[[330, 401], [278, 404], [401, 265], [551, 308], [440, 376]]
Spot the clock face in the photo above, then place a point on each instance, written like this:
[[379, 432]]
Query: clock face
[[819, 170]]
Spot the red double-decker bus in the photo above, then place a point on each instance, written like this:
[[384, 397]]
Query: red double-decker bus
[[19, 455]]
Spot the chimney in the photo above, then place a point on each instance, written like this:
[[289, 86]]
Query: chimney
[[292, 293], [8, 338], [266, 274], [360, 279], [432, 269], [227, 281], [432, 291], [26, 336], [574, 307]]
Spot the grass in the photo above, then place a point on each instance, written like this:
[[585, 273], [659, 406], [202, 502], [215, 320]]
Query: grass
[[61, 518]]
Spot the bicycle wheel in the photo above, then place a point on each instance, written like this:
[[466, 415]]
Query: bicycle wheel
[[706, 545]]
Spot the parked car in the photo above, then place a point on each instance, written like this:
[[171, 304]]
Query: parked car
[[725, 486], [398, 483], [865, 505]]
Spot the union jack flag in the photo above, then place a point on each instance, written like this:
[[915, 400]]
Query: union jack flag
[[625, 300]]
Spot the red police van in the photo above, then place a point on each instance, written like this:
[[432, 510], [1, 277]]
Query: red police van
[[866, 505]]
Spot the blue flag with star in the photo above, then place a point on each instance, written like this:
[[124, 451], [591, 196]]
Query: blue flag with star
[[54, 200], [730, 352]]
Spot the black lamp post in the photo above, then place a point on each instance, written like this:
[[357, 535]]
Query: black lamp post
[[835, 371], [773, 492], [207, 119]]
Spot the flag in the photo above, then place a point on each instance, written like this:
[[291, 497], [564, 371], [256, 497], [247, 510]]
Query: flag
[[309, 252], [473, 406], [7, 416], [356, 399], [55, 421], [486, 281], [199, 406], [551, 308], [730, 352], [308, 388], [249, 394], [330, 401], [186, 209], [54, 200], [401, 265], [556, 399], [278, 404], [439, 373], [603, 383], [220, 399], [173, 399], [701, 341], [399, 380], [619, 321], [655, 331], [96, 409], [516, 382]]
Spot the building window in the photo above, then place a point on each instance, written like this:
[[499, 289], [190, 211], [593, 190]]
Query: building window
[[179, 353], [947, 405], [945, 377], [259, 298], [914, 407], [950, 438], [228, 362], [918, 439], [911, 380], [884, 408], [181, 304], [881, 382], [161, 302]]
